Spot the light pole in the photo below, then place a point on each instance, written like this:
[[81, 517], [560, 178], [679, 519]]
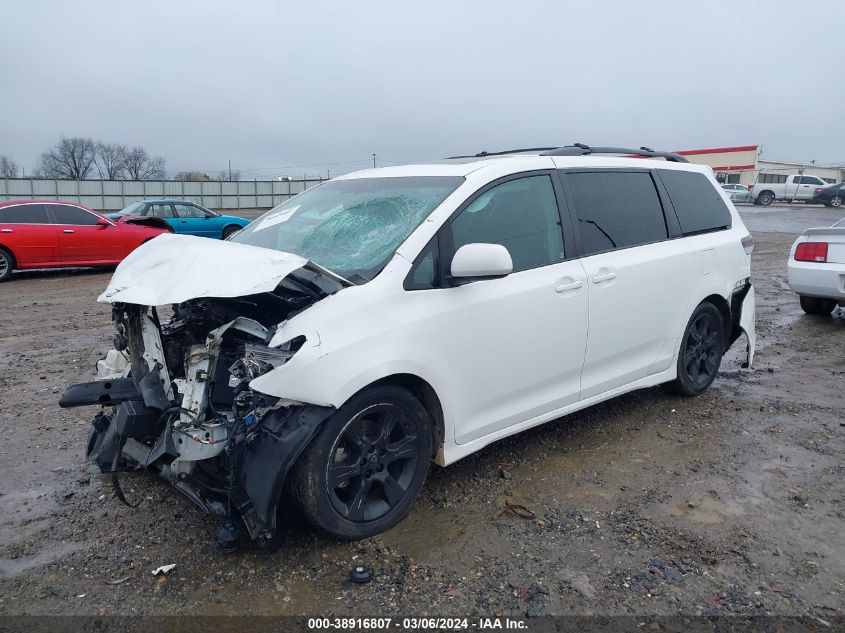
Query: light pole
[[374, 161]]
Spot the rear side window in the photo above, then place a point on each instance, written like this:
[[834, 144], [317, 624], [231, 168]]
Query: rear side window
[[24, 214], [616, 210], [699, 206], [65, 214]]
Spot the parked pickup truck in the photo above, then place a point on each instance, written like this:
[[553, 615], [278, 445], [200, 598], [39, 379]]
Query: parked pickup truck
[[796, 186]]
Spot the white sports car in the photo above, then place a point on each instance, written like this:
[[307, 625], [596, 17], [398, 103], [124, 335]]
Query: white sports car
[[816, 268]]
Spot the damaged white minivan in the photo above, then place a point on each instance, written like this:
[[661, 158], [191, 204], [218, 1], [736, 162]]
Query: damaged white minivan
[[387, 318]]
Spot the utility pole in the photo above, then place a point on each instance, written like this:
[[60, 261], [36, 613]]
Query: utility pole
[[230, 171], [374, 161], [798, 184]]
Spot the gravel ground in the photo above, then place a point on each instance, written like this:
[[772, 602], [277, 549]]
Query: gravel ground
[[729, 503]]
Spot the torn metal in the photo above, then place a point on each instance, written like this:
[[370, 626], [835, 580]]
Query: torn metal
[[177, 400]]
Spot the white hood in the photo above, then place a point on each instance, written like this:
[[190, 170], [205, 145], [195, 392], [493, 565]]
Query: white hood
[[176, 268]]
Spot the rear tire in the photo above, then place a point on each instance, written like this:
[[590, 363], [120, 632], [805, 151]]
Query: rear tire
[[817, 305], [230, 230], [701, 351], [366, 466], [7, 264]]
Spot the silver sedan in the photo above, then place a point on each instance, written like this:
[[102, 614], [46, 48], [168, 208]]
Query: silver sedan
[[738, 193]]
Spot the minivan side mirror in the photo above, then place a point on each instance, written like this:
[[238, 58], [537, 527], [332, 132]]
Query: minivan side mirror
[[481, 260]]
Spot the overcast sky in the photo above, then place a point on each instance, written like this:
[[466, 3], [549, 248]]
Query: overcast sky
[[287, 88]]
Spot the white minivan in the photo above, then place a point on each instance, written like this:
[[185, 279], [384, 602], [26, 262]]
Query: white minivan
[[391, 317]]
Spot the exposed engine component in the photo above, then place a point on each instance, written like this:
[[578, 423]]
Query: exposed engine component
[[181, 404]]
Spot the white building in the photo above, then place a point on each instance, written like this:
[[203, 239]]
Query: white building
[[743, 164]]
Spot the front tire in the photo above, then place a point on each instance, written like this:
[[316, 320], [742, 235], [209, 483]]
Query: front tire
[[701, 351], [367, 465], [836, 201], [817, 305], [766, 198], [7, 264]]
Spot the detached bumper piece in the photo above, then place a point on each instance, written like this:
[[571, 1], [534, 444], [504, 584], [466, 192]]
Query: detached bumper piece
[[105, 392], [109, 434]]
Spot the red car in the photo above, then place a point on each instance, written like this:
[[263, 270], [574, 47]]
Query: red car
[[50, 234]]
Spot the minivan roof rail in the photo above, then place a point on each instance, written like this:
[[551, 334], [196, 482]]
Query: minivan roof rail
[[579, 149]]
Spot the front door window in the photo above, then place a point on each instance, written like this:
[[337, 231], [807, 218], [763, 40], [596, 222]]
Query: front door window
[[521, 215]]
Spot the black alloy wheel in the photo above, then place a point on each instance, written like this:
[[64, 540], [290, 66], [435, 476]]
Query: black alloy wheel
[[703, 354], [372, 463], [701, 351], [366, 466]]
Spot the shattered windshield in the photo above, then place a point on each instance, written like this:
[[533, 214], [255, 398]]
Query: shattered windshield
[[351, 227]]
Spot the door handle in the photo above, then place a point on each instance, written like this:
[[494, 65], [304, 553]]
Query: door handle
[[6, 231], [597, 279], [563, 287], [68, 231]]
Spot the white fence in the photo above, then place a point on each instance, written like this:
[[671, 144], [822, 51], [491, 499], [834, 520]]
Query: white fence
[[112, 195]]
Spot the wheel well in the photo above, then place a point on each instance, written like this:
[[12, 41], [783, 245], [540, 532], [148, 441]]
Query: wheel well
[[425, 393], [725, 310], [230, 226], [765, 191]]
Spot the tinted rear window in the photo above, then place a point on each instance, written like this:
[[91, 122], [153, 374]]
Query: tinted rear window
[[24, 214], [65, 214], [699, 206], [616, 210]]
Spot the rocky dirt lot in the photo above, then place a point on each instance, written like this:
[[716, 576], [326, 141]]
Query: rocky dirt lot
[[729, 503]]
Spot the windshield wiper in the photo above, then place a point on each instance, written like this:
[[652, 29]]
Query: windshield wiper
[[328, 273], [357, 279]]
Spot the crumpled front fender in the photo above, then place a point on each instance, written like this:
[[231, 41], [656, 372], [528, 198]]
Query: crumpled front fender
[[267, 458]]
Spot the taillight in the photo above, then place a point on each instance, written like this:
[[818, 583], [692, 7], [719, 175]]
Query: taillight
[[817, 191], [750, 186], [748, 244], [811, 252]]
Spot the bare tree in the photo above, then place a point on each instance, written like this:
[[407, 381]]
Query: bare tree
[[71, 159], [139, 165], [111, 160], [8, 167], [229, 175]]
